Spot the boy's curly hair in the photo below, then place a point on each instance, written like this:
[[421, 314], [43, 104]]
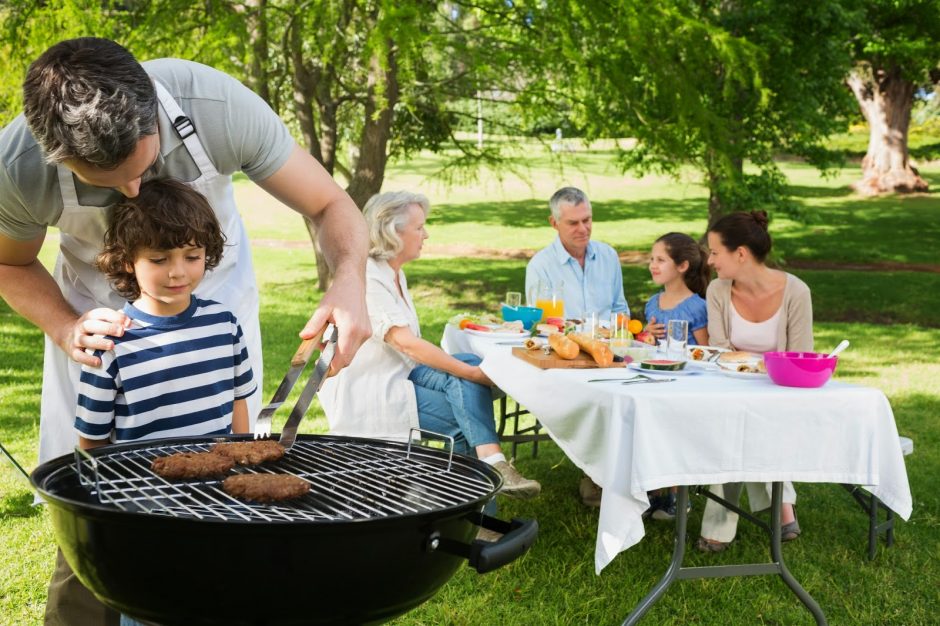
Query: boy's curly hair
[[166, 214]]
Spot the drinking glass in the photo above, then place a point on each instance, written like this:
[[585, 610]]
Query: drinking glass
[[677, 336], [620, 337], [549, 299], [590, 322], [514, 298]]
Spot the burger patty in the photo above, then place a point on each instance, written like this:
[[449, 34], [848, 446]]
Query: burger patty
[[186, 465], [265, 487], [250, 452]]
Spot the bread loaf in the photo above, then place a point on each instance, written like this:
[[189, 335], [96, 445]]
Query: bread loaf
[[599, 350], [563, 346]]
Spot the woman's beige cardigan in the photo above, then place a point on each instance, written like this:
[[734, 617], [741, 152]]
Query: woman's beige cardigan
[[795, 330]]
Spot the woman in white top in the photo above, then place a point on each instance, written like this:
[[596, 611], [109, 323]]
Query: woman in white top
[[758, 309], [399, 381]]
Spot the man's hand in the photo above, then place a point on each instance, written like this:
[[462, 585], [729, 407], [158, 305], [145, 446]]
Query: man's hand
[[89, 332], [344, 304]]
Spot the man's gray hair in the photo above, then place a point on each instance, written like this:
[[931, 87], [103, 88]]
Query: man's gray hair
[[89, 99], [566, 195], [387, 214]]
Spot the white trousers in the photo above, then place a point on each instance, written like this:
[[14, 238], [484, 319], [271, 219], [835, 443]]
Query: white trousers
[[721, 524]]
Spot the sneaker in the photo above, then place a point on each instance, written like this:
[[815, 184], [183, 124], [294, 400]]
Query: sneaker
[[590, 492], [666, 511], [515, 485], [656, 502]]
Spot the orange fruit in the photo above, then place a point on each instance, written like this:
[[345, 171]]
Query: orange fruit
[[635, 326], [464, 322], [622, 320]]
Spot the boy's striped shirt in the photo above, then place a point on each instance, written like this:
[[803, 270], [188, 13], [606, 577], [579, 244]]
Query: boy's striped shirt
[[167, 377]]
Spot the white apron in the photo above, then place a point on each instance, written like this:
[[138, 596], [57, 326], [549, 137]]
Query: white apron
[[82, 230]]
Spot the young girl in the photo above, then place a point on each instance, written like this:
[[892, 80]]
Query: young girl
[[680, 265]]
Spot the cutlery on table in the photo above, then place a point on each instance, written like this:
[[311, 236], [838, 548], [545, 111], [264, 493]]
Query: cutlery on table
[[617, 380], [839, 348], [648, 380]]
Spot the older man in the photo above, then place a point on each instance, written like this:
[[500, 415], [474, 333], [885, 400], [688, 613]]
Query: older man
[[96, 124], [587, 271]]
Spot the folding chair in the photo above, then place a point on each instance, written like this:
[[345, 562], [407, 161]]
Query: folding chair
[[873, 506], [518, 434]]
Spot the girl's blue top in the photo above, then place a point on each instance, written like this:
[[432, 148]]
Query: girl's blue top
[[692, 309]]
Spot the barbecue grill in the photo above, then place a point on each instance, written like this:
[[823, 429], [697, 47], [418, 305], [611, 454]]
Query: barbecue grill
[[384, 525]]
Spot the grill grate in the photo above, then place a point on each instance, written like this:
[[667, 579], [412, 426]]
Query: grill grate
[[349, 480]]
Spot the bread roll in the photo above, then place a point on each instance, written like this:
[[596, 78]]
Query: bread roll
[[563, 346], [599, 350]]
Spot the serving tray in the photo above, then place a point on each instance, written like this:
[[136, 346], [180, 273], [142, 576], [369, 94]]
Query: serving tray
[[553, 361]]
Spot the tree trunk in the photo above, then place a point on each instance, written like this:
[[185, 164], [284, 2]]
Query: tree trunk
[[256, 18], [885, 98], [379, 107]]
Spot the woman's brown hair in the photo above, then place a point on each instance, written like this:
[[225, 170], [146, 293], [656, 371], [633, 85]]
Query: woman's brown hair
[[748, 229], [166, 214]]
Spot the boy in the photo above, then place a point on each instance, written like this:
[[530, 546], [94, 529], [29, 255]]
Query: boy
[[182, 367]]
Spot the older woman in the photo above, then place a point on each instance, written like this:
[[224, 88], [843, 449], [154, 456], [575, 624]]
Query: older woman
[[758, 309], [399, 380]]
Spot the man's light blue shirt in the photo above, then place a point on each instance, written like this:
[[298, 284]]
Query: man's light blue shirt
[[597, 288]]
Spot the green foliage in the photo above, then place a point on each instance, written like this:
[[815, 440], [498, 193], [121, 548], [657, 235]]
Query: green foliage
[[901, 34]]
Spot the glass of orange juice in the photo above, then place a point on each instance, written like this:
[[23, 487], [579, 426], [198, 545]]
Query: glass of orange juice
[[550, 300]]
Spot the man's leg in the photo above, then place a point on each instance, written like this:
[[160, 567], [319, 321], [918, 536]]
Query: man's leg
[[70, 604]]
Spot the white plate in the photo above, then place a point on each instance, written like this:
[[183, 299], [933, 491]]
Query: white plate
[[683, 372], [498, 334], [743, 375]]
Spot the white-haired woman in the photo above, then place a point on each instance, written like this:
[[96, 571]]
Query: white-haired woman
[[399, 380]]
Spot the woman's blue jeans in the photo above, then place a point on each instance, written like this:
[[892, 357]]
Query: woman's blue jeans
[[455, 407]]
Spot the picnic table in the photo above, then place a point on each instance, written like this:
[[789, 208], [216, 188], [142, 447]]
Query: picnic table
[[701, 428]]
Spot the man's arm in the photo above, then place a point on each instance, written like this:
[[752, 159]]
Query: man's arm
[[30, 290], [302, 184]]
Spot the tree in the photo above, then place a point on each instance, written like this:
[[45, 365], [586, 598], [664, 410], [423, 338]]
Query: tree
[[897, 53], [714, 84]]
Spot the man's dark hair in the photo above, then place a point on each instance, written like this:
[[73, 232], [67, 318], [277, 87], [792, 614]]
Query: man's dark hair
[[89, 99]]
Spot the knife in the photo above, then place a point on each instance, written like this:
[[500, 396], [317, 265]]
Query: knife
[[297, 364], [320, 370]]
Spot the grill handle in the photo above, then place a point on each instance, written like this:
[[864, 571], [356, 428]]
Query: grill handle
[[434, 435], [87, 482], [485, 556]]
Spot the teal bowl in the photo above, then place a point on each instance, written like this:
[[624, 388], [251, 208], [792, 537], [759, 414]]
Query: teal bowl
[[528, 315]]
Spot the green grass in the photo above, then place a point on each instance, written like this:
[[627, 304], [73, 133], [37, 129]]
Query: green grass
[[892, 319]]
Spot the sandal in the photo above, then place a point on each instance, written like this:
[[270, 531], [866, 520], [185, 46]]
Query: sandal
[[710, 545], [789, 532]]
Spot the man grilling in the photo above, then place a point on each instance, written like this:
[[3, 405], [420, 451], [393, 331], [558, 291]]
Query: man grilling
[[96, 124]]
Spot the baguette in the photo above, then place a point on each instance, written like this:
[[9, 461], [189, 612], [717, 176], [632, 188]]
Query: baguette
[[563, 346], [599, 350]]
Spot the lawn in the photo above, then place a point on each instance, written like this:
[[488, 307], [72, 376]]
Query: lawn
[[891, 317]]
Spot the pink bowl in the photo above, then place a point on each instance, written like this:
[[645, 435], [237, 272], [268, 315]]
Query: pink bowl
[[800, 369]]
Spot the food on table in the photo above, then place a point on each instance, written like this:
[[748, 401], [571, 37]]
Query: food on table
[[635, 326], [187, 465], [547, 329], [532, 344], [645, 337], [563, 346], [481, 327], [598, 350], [265, 487], [557, 322], [250, 452], [742, 361], [697, 354], [664, 365]]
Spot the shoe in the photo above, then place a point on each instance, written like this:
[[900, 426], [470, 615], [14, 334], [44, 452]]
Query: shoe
[[656, 501], [515, 485], [789, 532], [666, 511], [590, 492], [485, 534], [710, 545]]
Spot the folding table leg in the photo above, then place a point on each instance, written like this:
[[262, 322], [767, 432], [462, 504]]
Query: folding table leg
[[676, 571]]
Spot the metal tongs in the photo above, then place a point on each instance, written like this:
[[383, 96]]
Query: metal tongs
[[320, 371]]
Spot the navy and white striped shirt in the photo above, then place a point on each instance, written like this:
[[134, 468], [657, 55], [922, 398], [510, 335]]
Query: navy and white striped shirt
[[167, 377]]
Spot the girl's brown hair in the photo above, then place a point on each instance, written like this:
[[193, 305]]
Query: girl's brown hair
[[166, 214], [681, 248]]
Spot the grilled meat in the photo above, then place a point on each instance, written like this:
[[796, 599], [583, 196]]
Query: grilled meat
[[187, 465], [265, 487], [250, 452]]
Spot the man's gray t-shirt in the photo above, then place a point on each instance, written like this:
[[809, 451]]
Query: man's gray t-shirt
[[237, 128]]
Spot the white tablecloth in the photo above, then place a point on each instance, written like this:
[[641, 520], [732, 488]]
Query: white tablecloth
[[700, 429]]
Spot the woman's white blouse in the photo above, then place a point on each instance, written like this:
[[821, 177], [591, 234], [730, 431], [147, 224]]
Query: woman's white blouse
[[757, 337], [373, 397]]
